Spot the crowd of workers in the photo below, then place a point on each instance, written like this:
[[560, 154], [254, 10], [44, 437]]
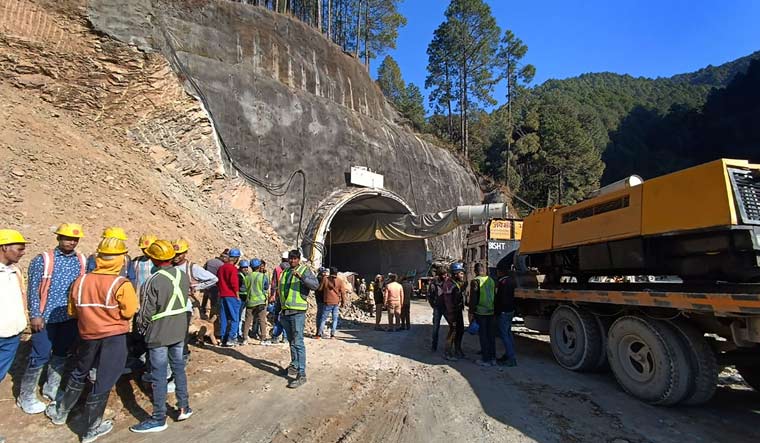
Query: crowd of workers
[[95, 313], [490, 306], [98, 312]]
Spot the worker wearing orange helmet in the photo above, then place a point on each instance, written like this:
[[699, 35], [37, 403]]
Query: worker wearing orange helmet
[[126, 270], [143, 266], [54, 331]]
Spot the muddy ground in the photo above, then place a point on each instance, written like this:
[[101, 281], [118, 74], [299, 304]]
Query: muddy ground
[[372, 386]]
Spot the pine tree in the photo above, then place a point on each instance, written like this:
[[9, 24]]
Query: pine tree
[[466, 45], [510, 54], [390, 81], [413, 107], [441, 76], [381, 23]]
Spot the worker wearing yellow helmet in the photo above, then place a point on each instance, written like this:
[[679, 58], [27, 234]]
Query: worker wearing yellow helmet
[[163, 321], [142, 267], [54, 331], [115, 233], [13, 312], [200, 279]]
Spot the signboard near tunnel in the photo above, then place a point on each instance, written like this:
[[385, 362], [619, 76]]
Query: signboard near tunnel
[[361, 176]]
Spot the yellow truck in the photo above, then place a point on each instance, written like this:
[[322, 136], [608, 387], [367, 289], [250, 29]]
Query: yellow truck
[[579, 270]]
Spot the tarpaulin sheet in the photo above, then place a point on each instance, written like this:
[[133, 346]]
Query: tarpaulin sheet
[[392, 227]]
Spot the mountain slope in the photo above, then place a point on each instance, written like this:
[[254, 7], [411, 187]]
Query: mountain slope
[[630, 106]]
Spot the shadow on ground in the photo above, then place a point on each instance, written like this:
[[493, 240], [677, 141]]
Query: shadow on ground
[[573, 406]]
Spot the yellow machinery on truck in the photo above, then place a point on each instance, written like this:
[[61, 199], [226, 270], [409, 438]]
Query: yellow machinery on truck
[[664, 339]]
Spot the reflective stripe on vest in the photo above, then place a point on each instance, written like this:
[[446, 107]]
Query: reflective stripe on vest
[[290, 290], [48, 265], [254, 282], [485, 298], [176, 295], [107, 305]]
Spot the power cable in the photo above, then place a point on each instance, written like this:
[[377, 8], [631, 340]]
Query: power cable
[[275, 189]]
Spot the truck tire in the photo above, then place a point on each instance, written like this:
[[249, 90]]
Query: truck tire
[[576, 338], [704, 363], [648, 360], [751, 375]]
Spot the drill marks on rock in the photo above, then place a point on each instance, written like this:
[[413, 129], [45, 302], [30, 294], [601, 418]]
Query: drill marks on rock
[[317, 84], [290, 81], [256, 53], [239, 48], [23, 20]]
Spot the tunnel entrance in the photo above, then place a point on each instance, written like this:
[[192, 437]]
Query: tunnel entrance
[[366, 258]]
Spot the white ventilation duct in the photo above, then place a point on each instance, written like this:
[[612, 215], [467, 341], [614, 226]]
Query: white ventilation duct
[[412, 227]]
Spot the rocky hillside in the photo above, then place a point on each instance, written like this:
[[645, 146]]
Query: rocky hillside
[[284, 98], [98, 132]]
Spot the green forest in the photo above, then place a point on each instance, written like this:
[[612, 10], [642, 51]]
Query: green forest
[[557, 141]]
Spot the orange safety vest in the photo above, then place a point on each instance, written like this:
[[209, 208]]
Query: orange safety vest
[[48, 264], [98, 314]]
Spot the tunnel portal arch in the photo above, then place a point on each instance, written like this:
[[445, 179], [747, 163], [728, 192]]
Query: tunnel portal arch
[[364, 258]]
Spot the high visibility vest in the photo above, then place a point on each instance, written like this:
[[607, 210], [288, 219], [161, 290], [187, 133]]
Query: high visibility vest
[[486, 295], [255, 284], [290, 290], [177, 296], [48, 265]]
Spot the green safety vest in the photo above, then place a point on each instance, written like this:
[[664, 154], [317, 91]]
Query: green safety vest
[[254, 283], [485, 297], [290, 290], [177, 295]]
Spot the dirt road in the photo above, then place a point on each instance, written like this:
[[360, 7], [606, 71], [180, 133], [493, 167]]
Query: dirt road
[[371, 386]]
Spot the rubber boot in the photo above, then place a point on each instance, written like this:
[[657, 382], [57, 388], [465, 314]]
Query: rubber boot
[[54, 375], [27, 397], [94, 409], [59, 412]]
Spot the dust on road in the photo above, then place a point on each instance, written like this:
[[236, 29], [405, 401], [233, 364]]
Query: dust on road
[[374, 386]]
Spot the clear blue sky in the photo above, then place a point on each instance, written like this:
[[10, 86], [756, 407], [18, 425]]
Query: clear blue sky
[[566, 38]]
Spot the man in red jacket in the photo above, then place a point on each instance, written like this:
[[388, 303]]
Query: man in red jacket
[[229, 301]]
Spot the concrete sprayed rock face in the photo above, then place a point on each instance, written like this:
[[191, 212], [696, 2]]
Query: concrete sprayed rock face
[[284, 98]]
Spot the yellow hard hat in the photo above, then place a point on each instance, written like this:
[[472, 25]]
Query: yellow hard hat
[[112, 246], [70, 230], [146, 240], [160, 250], [11, 237], [115, 232], [180, 245]]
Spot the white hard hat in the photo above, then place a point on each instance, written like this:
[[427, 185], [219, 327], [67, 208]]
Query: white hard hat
[[285, 255]]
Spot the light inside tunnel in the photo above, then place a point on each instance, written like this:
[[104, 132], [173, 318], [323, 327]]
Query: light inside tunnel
[[368, 258]]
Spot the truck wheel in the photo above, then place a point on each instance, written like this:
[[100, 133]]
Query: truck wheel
[[750, 374], [648, 360], [704, 364], [576, 338]]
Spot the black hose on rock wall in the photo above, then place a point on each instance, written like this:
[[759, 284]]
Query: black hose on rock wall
[[276, 189]]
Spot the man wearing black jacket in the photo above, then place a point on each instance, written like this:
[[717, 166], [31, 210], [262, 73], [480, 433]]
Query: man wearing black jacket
[[504, 310], [436, 302]]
